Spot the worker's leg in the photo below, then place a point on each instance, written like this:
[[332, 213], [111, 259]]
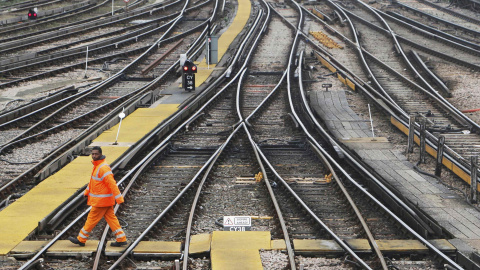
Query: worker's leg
[[115, 225], [93, 218]]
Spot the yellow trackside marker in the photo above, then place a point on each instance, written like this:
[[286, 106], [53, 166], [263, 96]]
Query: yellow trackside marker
[[325, 40], [258, 177], [328, 178]]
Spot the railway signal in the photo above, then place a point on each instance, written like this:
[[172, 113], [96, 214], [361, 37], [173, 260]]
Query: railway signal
[[189, 69], [32, 14]]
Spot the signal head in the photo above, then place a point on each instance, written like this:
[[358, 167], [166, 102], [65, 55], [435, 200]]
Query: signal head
[[32, 14], [189, 67]]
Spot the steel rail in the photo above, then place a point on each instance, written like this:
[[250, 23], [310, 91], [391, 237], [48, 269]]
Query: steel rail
[[130, 248], [48, 245], [400, 49], [288, 244], [145, 162], [289, 249], [97, 19], [319, 221], [100, 47], [371, 239], [32, 58], [11, 184], [83, 95], [48, 14], [121, 161], [439, 98], [432, 141], [77, 28], [150, 157], [26, 25], [402, 118], [37, 106], [430, 92], [430, 29], [164, 142], [197, 197], [189, 121], [438, 19], [401, 115], [393, 109], [338, 166], [311, 213], [451, 12], [362, 57]]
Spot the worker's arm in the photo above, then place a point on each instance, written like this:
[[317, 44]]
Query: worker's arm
[[112, 185]]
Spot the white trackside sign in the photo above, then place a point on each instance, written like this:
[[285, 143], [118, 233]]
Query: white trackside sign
[[237, 223]]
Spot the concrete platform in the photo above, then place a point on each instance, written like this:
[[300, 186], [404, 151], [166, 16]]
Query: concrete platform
[[65, 248], [444, 206], [27, 249], [200, 243], [324, 247], [238, 250], [159, 249], [225, 40]]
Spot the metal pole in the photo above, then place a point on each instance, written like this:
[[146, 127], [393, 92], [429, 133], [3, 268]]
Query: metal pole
[[440, 147], [121, 115], [473, 178], [112, 7], [86, 64], [208, 53], [422, 139], [411, 134], [371, 122]]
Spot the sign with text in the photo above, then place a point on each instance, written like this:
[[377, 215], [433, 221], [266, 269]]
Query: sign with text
[[327, 85], [189, 81], [237, 223]]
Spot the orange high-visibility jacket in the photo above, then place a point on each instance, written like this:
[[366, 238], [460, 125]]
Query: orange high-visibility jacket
[[102, 191]]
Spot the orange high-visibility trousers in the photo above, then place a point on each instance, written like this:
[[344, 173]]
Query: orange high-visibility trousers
[[95, 216]]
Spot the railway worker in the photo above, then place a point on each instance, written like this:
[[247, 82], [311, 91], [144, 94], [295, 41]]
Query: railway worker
[[102, 192]]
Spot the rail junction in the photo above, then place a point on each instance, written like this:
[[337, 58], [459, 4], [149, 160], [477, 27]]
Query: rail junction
[[327, 135]]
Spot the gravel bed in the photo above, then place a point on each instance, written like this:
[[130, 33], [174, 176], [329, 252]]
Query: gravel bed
[[272, 50], [273, 259], [463, 83], [312, 263], [38, 150], [42, 88], [199, 264], [11, 163], [443, 15]]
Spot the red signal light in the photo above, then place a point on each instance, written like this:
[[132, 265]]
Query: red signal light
[[185, 68], [32, 14], [194, 68]]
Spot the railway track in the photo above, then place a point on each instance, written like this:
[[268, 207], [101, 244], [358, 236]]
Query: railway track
[[386, 74], [90, 9], [22, 47], [83, 109], [259, 127]]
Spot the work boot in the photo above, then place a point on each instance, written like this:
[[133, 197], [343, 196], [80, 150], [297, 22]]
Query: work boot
[[75, 241], [118, 244]]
